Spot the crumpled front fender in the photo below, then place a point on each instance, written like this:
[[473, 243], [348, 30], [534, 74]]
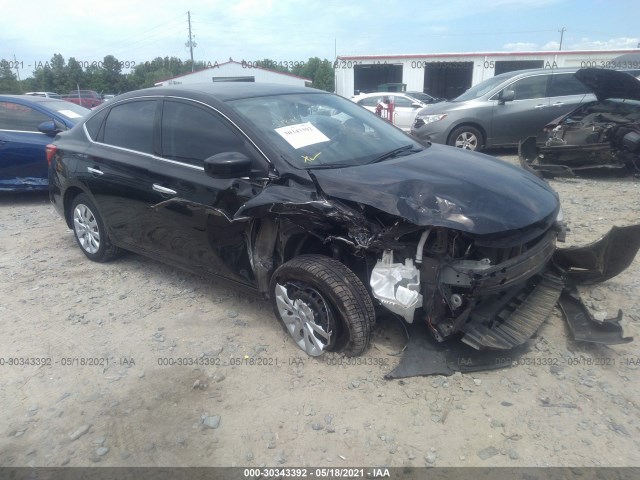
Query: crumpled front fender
[[602, 259]]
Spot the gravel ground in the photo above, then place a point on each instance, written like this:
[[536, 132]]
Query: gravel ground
[[115, 395]]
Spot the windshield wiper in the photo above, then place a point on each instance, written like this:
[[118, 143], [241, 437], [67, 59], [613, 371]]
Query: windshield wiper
[[321, 166], [407, 149]]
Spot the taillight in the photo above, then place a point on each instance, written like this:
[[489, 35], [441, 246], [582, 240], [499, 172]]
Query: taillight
[[51, 151]]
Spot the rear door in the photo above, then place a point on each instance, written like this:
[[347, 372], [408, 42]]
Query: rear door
[[524, 116], [23, 159], [117, 167], [566, 92], [404, 112]]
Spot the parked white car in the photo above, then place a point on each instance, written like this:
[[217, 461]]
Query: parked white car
[[405, 106]]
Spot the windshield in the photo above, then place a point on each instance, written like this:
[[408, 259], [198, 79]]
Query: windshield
[[323, 130], [423, 97], [482, 88], [67, 109]]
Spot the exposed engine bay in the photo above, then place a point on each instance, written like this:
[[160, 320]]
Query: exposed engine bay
[[598, 138]]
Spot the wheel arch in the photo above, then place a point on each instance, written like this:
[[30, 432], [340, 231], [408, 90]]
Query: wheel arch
[[69, 194], [278, 241], [469, 123]]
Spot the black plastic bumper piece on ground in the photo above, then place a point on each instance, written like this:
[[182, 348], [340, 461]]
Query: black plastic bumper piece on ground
[[602, 259], [424, 355], [510, 323], [584, 327]]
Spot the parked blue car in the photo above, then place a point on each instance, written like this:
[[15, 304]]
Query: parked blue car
[[27, 125]]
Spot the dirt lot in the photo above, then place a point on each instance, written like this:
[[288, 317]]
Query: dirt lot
[[269, 404]]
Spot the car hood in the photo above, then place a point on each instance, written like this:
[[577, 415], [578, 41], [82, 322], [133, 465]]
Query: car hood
[[448, 187], [605, 83]]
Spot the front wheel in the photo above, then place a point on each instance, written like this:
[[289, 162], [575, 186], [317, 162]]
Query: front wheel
[[323, 305], [466, 137], [90, 231]]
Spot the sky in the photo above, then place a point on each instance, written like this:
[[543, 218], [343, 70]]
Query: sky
[[293, 30]]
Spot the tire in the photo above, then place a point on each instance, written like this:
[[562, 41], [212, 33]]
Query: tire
[[89, 230], [466, 137], [323, 305]]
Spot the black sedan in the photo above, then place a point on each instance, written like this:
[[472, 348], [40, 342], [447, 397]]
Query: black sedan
[[27, 124], [326, 215]]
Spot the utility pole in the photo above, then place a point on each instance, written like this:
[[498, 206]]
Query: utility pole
[[190, 43], [562, 30], [15, 62]]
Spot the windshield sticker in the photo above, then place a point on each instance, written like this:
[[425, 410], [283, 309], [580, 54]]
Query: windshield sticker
[[302, 135], [308, 159], [69, 113]]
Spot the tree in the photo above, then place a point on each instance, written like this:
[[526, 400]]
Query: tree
[[319, 71], [43, 79], [111, 74], [59, 73], [8, 80], [75, 75]]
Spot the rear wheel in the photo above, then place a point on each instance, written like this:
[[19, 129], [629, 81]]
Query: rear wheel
[[89, 230], [466, 137], [323, 305]]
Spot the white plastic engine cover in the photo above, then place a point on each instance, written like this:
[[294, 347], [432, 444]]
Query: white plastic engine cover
[[397, 285]]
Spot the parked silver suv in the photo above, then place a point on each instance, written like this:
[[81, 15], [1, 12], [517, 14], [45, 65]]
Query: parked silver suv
[[502, 110]]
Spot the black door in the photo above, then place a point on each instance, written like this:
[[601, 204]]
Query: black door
[[116, 168], [191, 213]]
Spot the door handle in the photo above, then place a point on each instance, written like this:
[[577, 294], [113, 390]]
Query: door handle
[[164, 190], [539, 106], [95, 171], [559, 104], [3, 142]]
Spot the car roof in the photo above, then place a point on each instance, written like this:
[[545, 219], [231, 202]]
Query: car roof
[[535, 71], [30, 98], [224, 90]]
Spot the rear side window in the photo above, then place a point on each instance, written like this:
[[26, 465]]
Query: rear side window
[[530, 87], [369, 102], [94, 123], [191, 134], [566, 84], [402, 101], [14, 116], [130, 125]]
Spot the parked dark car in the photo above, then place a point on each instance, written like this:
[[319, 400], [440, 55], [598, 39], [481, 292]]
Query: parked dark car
[[502, 110], [600, 137], [323, 214], [27, 124]]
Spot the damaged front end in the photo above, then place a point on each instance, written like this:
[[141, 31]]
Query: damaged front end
[[470, 255], [612, 153], [494, 294], [598, 138]]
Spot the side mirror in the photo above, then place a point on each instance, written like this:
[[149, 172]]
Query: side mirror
[[228, 165], [507, 96], [49, 127], [416, 105]]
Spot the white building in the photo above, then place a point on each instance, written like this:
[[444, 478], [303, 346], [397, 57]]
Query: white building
[[450, 74], [233, 71]]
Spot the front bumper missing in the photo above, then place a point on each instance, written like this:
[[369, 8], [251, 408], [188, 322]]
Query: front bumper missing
[[490, 335]]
